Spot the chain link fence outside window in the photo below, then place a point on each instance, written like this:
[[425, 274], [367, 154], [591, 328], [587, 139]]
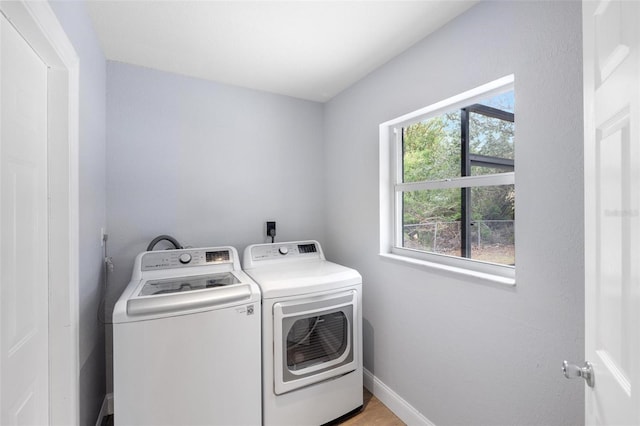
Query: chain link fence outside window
[[491, 240]]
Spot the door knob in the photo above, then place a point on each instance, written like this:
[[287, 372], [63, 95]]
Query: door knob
[[572, 371]]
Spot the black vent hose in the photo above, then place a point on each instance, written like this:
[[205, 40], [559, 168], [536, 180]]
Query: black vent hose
[[159, 238]]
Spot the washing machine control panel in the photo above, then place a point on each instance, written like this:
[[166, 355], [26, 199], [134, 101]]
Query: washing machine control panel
[[173, 259]]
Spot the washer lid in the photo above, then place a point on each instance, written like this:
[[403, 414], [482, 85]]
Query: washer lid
[[181, 284]]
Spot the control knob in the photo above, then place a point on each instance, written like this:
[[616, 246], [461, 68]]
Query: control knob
[[184, 258], [283, 250]]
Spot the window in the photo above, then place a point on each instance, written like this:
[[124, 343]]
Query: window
[[448, 183]]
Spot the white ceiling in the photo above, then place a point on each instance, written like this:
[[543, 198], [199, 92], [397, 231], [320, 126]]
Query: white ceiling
[[306, 49]]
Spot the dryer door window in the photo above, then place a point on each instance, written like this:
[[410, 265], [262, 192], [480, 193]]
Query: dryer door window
[[314, 339]]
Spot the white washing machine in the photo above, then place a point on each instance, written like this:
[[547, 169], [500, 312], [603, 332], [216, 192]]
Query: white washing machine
[[186, 341], [311, 336]]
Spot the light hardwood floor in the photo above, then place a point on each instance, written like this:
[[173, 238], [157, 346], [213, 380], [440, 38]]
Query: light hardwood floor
[[373, 413]]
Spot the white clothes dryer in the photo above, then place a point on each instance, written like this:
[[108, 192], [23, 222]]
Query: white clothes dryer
[[186, 341], [311, 336]]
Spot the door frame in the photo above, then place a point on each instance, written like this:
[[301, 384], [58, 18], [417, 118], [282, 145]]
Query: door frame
[[39, 26]]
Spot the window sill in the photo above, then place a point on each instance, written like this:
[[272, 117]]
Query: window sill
[[483, 277]]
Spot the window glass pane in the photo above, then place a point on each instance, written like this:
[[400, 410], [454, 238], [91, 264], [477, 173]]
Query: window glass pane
[[431, 221], [492, 224], [431, 149], [503, 101], [490, 136]]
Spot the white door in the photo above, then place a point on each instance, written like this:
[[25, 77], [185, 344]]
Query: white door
[[24, 391], [612, 210]]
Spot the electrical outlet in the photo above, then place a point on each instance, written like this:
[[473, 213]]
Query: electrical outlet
[[271, 229]]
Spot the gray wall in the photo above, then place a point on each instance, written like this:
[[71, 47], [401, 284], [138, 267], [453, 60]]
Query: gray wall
[[207, 163], [460, 352], [76, 23]]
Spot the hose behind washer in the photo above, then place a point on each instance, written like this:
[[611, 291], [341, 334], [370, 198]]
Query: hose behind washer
[[159, 238]]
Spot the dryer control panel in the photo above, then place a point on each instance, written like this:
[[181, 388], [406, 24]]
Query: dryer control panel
[[281, 252]]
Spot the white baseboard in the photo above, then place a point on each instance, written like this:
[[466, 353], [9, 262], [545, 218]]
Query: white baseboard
[[106, 409], [394, 402]]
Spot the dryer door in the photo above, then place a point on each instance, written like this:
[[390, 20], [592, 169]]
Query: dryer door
[[314, 339]]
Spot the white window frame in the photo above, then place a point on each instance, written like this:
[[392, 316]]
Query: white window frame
[[392, 187]]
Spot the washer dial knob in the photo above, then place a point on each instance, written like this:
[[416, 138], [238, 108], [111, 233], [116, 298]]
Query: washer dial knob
[[283, 250], [184, 258]]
